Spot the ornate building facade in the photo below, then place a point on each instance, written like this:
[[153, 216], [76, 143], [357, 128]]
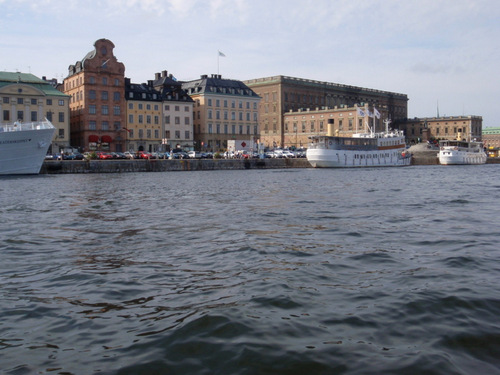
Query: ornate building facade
[[451, 127], [280, 94], [96, 86]]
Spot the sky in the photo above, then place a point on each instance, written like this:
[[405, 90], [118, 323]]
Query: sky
[[443, 54]]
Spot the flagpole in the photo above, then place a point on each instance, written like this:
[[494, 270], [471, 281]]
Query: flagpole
[[218, 57]]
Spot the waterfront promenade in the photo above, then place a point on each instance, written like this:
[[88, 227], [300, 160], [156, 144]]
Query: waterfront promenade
[[122, 166]]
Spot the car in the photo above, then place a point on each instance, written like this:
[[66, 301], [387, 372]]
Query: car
[[145, 155], [105, 155], [194, 154], [118, 155], [129, 155]]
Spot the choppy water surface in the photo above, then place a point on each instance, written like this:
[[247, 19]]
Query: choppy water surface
[[373, 271]]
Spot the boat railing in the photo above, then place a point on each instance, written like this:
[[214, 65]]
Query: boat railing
[[24, 126]]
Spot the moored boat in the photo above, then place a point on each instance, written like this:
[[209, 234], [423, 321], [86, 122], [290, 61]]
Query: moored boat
[[461, 152], [369, 149], [23, 146]]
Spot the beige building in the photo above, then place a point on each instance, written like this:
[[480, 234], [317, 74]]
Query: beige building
[[491, 139], [302, 124], [426, 128], [27, 98], [177, 120], [224, 109], [96, 85], [280, 94]]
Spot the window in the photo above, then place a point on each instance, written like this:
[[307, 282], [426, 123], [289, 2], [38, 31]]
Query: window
[[140, 105], [167, 133], [209, 114], [148, 133], [167, 107], [61, 103], [92, 94], [105, 110], [177, 108], [141, 119], [33, 101], [157, 120], [105, 81], [61, 116], [148, 107], [141, 133], [20, 101], [104, 95], [116, 110], [167, 119], [186, 134], [61, 133], [210, 129], [131, 133], [116, 96], [105, 125], [131, 119], [33, 115], [6, 115], [92, 125], [177, 134], [157, 133], [117, 125], [92, 109], [177, 120], [6, 100], [186, 121], [117, 82], [92, 80], [148, 119], [217, 102]]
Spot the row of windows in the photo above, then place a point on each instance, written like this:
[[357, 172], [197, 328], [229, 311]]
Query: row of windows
[[225, 128], [33, 101], [104, 110], [70, 84], [104, 125], [176, 108], [140, 119], [226, 115], [33, 116], [149, 133], [225, 103], [177, 134], [141, 106]]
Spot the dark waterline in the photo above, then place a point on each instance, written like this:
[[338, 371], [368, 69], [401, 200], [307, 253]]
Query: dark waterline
[[372, 271]]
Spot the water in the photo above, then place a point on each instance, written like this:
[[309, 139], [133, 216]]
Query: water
[[303, 271]]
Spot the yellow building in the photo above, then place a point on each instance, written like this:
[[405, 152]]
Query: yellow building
[[144, 117], [27, 98]]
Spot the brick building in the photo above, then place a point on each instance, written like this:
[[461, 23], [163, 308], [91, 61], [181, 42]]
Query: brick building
[[96, 85], [280, 94]]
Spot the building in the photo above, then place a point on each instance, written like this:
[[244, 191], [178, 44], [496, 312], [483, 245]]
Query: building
[[300, 125], [453, 127], [96, 86], [27, 98], [177, 119], [144, 117], [491, 139], [280, 94], [224, 109]]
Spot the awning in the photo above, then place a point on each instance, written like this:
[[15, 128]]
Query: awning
[[106, 139], [93, 138]]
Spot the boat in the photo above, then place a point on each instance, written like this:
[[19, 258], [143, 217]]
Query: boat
[[23, 146], [461, 152], [368, 149]]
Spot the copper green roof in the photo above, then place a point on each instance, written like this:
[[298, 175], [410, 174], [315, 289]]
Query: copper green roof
[[9, 78], [491, 130]]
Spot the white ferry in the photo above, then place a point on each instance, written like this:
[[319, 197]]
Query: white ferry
[[23, 146], [461, 152], [370, 149]]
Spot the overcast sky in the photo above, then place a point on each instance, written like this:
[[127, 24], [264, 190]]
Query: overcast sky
[[443, 54]]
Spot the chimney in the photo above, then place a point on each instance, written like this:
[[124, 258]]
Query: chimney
[[157, 76], [164, 73], [150, 83]]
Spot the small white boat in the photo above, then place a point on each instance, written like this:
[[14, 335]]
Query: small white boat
[[461, 152], [23, 146], [383, 149]]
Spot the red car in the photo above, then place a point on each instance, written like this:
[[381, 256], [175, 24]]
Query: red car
[[104, 155], [145, 155]]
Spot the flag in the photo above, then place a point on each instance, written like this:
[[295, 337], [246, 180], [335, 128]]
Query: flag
[[360, 112], [221, 54], [368, 113], [377, 113]]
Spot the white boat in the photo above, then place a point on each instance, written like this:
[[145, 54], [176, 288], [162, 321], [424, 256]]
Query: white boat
[[23, 146], [370, 149], [461, 152]]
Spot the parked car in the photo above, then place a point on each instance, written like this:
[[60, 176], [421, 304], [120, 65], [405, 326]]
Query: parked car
[[194, 154], [104, 155], [145, 155], [51, 157], [129, 155], [118, 155]]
